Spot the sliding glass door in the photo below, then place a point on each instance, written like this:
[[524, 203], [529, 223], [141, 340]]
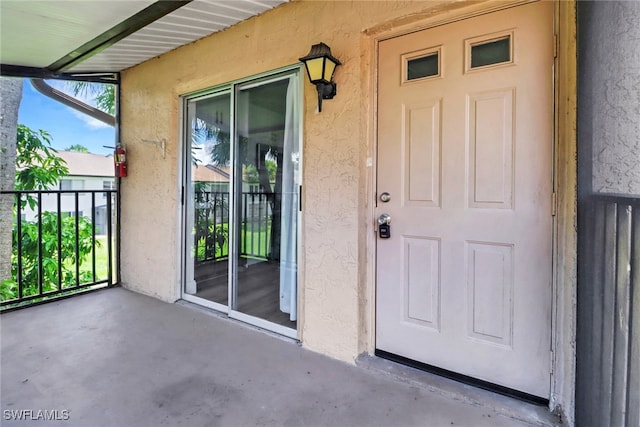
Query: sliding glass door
[[242, 183]]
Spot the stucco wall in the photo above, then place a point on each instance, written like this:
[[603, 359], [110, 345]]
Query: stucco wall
[[612, 69], [336, 146], [337, 278]]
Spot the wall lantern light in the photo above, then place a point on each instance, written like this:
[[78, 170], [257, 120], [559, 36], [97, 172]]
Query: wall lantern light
[[320, 65]]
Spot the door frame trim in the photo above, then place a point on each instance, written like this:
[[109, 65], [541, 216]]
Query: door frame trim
[[564, 237]]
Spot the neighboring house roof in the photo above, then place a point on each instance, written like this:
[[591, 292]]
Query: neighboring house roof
[[87, 164], [211, 173]]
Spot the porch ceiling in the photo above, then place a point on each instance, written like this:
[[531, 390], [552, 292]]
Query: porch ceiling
[[50, 37]]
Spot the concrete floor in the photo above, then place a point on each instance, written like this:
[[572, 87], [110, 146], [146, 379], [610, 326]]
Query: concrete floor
[[117, 358]]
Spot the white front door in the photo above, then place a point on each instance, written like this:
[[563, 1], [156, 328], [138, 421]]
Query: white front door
[[465, 115]]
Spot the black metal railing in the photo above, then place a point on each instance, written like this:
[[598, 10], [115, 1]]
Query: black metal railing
[[255, 229], [608, 327], [63, 242], [212, 225]]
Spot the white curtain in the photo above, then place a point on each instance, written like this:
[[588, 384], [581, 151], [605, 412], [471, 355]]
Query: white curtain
[[289, 209]]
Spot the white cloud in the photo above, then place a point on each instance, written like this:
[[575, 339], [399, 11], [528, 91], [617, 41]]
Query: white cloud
[[65, 86], [89, 121], [202, 152]]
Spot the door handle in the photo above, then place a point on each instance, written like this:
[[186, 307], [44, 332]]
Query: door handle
[[384, 219]]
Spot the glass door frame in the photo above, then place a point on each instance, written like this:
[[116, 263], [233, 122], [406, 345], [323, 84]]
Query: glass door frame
[[187, 193], [294, 73]]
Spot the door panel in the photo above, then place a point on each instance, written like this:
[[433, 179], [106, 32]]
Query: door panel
[[464, 149], [422, 281], [422, 153], [490, 147], [489, 271]]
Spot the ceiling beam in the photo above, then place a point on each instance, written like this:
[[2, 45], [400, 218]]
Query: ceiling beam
[[9, 70], [125, 28]]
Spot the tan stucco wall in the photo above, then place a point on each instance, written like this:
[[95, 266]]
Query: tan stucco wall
[[337, 275], [336, 145]]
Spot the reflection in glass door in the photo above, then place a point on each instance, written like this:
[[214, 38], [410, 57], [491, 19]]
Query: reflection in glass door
[[267, 201], [208, 187], [242, 186]]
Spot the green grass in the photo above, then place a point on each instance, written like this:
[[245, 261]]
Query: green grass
[[255, 243], [8, 290], [102, 261]]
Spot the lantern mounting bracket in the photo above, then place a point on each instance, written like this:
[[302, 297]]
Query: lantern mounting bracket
[[325, 91]]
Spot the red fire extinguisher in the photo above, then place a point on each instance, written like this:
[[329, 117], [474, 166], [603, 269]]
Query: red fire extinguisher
[[120, 161]]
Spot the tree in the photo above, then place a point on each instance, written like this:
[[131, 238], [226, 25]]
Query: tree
[[103, 94], [58, 262], [38, 167], [77, 148], [36, 160], [10, 98], [265, 169]]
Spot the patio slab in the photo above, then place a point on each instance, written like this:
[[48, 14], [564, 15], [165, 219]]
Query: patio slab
[[118, 358]]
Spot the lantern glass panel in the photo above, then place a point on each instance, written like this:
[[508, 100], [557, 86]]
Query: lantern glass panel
[[329, 67], [314, 68]]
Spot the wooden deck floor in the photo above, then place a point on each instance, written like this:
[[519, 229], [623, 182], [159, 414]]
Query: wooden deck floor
[[258, 289]]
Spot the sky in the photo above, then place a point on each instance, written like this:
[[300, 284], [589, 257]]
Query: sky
[[65, 125]]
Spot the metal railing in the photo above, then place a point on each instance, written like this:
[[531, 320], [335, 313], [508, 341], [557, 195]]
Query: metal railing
[[608, 327], [255, 229], [212, 225], [63, 242]]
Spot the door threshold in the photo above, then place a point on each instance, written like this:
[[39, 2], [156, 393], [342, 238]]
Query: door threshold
[[465, 379], [398, 369]]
